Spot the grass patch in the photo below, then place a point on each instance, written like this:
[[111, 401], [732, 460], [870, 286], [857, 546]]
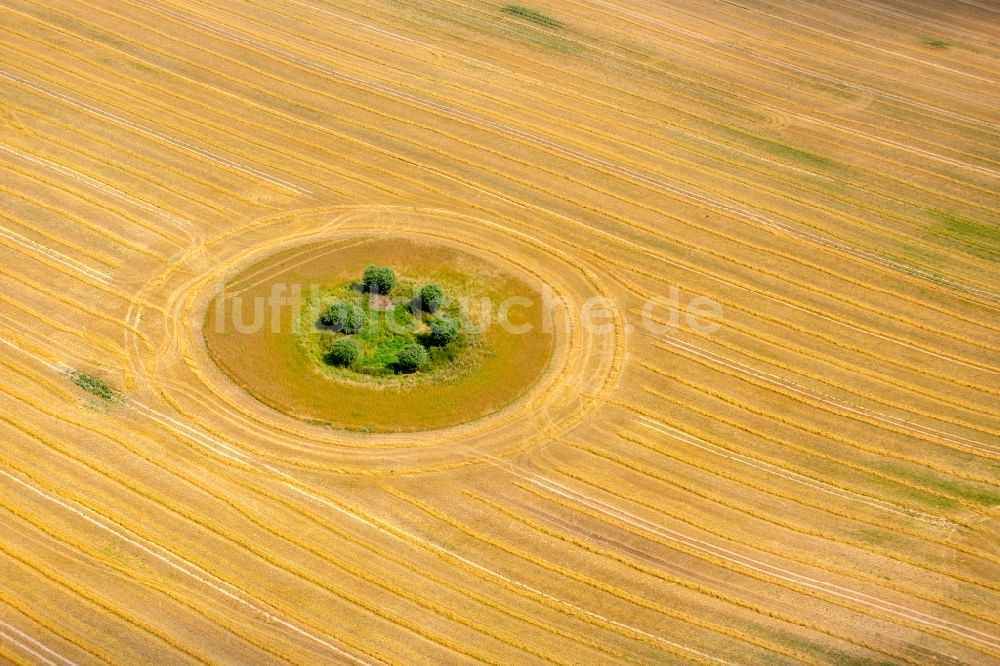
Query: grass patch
[[953, 225], [550, 43], [824, 653], [531, 15], [779, 149], [969, 491], [979, 239], [936, 43], [385, 332], [96, 387]]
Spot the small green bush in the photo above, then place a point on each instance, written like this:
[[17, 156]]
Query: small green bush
[[379, 279], [344, 352], [443, 331], [411, 358], [95, 386], [532, 15], [431, 298], [343, 317]]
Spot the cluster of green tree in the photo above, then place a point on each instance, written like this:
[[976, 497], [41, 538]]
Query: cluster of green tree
[[444, 329], [349, 318]]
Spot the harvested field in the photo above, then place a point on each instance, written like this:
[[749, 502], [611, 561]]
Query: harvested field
[[767, 430]]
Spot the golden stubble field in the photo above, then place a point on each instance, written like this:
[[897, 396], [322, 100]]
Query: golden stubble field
[[814, 481]]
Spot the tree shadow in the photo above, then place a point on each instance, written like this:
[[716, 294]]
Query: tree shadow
[[335, 328]]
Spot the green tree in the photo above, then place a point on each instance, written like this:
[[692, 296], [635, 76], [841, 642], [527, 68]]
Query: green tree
[[431, 298], [344, 317], [443, 331], [379, 279], [344, 352], [411, 358]]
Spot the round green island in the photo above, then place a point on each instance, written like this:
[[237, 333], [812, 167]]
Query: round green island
[[380, 335]]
